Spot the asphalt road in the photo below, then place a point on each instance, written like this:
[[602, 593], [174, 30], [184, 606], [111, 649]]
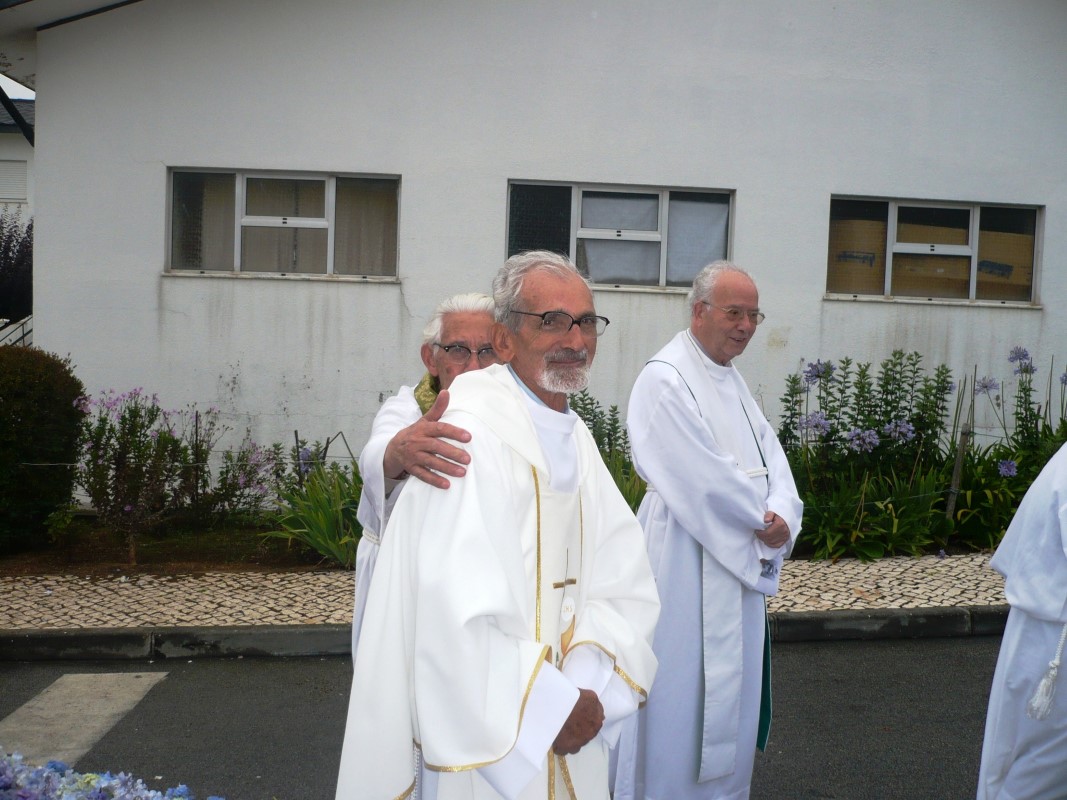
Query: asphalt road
[[885, 720]]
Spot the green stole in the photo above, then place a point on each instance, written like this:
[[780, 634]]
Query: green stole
[[426, 392]]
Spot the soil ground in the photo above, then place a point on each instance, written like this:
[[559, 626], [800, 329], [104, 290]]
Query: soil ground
[[89, 549]]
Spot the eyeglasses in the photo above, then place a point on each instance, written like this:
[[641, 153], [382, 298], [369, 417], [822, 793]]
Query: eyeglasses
[[460, 354], [560, 322], [735, 314]]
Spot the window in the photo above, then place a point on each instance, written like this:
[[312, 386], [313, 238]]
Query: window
[[910, 249], [622, 235], [283, 224], [13, 181]]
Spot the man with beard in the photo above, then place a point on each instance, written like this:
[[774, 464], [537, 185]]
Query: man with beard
[[513, 612]]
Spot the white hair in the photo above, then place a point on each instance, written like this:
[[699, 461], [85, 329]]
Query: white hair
[[704, 283], [470, 303], [508, 283]]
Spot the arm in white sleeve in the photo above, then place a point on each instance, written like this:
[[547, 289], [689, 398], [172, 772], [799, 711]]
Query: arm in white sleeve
[[589, 667], [552, 697], [379, 492]]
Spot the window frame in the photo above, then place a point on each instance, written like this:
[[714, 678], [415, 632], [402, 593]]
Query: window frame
[[969, 250], [244, 220], [660, 236]]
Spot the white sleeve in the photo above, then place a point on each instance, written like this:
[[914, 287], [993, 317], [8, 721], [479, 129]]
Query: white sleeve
[[590, 667], [379, 493], [552, 697]]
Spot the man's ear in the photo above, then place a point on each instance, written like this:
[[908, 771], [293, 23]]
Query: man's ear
[[427, 358], [503, 341]]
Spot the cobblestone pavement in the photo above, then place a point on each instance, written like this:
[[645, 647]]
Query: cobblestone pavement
[[313, 598]]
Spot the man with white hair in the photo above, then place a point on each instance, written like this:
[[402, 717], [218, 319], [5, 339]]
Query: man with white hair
[[513, 612], [720, 513], [407, 437]]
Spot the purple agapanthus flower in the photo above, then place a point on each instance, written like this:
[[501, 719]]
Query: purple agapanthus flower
[[818, 371], [861, 441], [1025, 368], [305, 460], [986, 385], [1018, 354], [899, 430], [1063, 379], [816, 424], [1007, 468]]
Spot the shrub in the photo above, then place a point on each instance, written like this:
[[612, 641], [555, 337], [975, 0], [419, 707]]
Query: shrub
[[16, 267], [40, 420], [132, 462], [321, 512]]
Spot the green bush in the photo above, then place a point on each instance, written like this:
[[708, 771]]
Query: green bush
[[40, 418], [16, 267], [321, 512]]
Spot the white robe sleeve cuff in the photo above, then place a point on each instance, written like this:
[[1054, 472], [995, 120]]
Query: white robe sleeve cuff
[[589, 667], [552, 697]]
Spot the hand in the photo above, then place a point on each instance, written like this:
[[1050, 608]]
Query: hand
[[776, 533], [419, 450], [582, 725]]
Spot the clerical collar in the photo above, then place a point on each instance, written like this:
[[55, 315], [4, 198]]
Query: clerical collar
[[532, 396], [715, 369]]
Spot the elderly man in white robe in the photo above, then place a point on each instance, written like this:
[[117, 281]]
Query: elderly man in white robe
[[512, 615], [1024, 754], [720, 514], [407, 438]]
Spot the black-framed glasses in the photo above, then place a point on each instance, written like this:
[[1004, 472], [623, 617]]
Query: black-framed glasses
[[735, 314], [460, 354], [560, 322]]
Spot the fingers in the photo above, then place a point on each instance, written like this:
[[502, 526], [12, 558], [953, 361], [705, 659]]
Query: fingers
[[438, 408]]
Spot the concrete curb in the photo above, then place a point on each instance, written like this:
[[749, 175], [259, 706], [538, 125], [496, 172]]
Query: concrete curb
[[331, 640], [163, 643], [888, 623]]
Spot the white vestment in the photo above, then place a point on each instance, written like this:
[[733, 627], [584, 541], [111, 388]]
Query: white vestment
[[493, 602], [714, 468], [379, 493], [1024, 757]]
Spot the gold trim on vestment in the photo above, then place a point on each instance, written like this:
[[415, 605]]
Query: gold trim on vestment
[[615, 666], [566, 773], [537, 499], [522, 711]]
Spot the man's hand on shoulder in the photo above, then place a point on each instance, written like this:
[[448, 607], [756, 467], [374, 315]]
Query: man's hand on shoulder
[[776, 534], [582, 725], [419, 450]]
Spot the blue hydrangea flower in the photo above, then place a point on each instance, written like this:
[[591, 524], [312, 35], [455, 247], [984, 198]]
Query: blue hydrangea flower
[[1007, 468], [986, 385]]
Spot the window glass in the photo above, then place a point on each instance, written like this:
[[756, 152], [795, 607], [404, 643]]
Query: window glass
[[1006, 253], [620, 211], [856, 261], [921, 225], [539, 218], [366, 227], [287, 250], [619, 261], [202, 221], [923, 275], [697, 228], [285, 197]]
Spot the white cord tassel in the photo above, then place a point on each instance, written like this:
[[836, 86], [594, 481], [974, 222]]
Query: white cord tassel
[[1041, 703]]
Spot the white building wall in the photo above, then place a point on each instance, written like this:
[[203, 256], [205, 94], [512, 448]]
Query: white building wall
[[786, 104]]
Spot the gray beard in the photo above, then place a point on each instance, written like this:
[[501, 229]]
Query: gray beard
[[564, 381]]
